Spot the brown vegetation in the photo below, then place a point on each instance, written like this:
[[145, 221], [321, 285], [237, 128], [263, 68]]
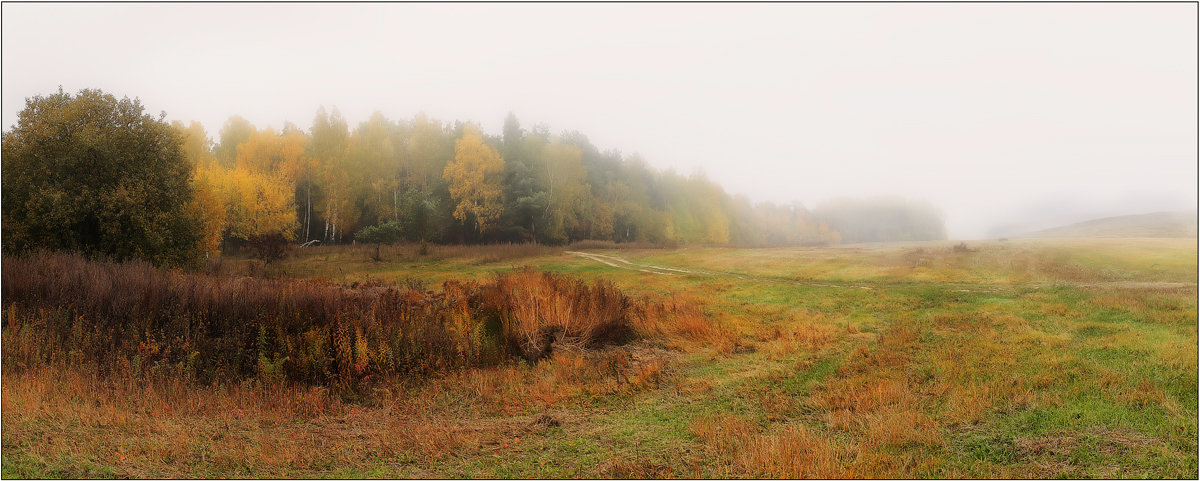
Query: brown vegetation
[[543, 310], [413, 251], [205, 328], [592, 244]]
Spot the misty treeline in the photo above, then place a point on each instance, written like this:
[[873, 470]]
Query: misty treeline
[[89, 169], [423, 179], [882, 219]]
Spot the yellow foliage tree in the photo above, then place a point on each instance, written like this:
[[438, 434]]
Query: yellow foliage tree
[[255, 203], [207, 207], [716, 227], [329, 148], [474, 178], [602, 220], [267, 151], [375, 159], [566, 180], [426, 153], [197, 147]]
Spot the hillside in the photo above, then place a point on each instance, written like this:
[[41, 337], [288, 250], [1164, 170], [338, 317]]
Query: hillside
[[1157, 224]]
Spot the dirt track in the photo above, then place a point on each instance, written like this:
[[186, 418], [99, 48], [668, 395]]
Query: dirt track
[[619, 263]]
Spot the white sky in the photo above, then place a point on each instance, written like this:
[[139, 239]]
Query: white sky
[[996, 113]]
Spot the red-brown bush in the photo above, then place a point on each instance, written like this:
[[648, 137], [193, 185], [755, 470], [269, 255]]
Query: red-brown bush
[[61, 307], [540, 311]]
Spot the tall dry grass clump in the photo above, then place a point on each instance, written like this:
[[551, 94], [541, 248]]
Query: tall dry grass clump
[[136, 318], [540, 311]]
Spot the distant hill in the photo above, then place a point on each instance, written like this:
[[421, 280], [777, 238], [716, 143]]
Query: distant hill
[[1157, 224]]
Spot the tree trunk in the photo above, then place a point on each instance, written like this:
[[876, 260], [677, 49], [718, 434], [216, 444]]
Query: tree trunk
[[308, 213], [330, 217]]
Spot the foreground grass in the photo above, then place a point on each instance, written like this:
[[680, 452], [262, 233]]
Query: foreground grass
[[1018, 359]]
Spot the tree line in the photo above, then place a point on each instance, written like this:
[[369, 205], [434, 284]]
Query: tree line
[[84, 171]]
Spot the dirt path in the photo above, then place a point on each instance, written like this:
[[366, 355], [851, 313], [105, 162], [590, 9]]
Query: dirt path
[[672, 271], [608, 261], [1121, 285], [603, 258], [620, 263]]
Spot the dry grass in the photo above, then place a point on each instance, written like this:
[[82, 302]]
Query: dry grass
[[1013, 371], [870, 405], [794, 453], [603, 244], [154, 405], [540, 311], [679, 322], [133, 318], [408, 252], [134, 427]]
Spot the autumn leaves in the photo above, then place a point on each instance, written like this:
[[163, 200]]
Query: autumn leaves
[[474, 178]]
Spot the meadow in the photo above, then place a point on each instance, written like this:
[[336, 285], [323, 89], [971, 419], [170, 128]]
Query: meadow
[[1026, 358]]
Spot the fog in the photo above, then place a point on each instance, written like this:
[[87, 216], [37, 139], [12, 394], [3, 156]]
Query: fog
[[1003, 116]]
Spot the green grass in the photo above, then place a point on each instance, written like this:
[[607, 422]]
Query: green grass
[[1044, 358], [1074, 342]]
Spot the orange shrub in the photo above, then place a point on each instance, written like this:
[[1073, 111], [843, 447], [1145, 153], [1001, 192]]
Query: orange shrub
[[540, 310]]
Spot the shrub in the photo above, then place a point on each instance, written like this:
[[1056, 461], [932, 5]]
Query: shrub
[[382, 233], [92, 173], [211, 328], [268, 247], [540, 311], [305, 331]]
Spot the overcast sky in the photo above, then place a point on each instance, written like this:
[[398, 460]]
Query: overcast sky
[[996, 113]]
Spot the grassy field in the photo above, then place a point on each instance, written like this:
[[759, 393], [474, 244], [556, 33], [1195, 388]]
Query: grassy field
[[1033, 358]]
